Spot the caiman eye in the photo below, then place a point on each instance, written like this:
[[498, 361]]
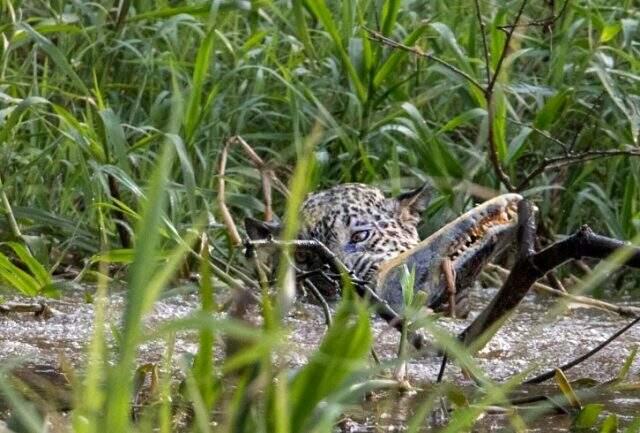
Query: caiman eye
[[301, 255], [360, 236]]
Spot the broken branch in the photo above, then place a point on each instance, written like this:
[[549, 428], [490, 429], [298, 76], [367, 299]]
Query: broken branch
[[531, 266], [622, 310], [574, 158], [549, 374]]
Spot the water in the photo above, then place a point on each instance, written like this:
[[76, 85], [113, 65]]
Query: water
[[531, 339]]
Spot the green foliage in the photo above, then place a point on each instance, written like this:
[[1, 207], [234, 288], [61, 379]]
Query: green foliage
[[97, 97], [407, 283], [342, 352], [588, 416], [31, 282]]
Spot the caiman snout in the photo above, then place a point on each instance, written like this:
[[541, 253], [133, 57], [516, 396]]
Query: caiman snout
[[448, 261], [481, 225]]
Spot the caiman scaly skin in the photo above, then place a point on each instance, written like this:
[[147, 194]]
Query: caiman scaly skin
[[374, 235], [468, 242]]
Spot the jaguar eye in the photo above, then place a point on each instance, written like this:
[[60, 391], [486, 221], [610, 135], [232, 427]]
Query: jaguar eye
[[360, 236]]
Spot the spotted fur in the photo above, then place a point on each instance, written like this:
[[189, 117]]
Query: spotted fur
[[361, 226], [358, 223]]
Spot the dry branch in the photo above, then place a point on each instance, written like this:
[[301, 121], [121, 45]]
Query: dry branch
[[379, 37], [268, 178], [547, 22], [531, 266], [232, 230], [486, 91], [574, 158], [259, 163], [505, 49], [549, 374], [488, 94], [622, 310]]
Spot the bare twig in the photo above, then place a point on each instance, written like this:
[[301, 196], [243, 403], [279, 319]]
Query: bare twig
[[505, 48], [574, 158], [268, 178], [531, 266], [259, 267], [493, 146], [232, 230], [259, 163], [622, 310], [544, 134], [326, 311], [443, 367], [266, 193], [488, 94], [379, 37], [545, 22], [485, 48], [549, 374]]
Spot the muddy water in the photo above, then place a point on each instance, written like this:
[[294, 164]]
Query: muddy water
[[531, 339]]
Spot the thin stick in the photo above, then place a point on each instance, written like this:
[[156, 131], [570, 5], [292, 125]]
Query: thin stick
[[505, 48], [379, 37], [493, 146], [259, 163], [266, 193], [232, 230], [488, 94], [443, 367], [323, 302], [531, 266], [622, 310], [268, 177], [574, 158], [545, 22], [549, 374], [483, 33]]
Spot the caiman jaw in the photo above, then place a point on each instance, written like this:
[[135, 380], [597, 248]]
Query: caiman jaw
[[492, 220], [455, 253]]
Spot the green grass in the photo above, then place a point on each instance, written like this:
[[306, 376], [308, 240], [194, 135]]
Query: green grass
[[112, 120]]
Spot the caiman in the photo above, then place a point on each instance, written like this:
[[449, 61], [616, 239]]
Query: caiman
[[376, 236]]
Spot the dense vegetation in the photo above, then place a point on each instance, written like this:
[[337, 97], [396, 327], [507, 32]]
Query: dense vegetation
[[113, 116]]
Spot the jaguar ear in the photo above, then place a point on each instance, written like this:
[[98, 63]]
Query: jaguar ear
[[411, 204], [257, 229]]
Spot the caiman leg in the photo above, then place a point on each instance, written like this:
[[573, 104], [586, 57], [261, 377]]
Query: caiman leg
[[450, 280]]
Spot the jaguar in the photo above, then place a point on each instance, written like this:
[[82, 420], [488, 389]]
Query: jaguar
[[376, 238]]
